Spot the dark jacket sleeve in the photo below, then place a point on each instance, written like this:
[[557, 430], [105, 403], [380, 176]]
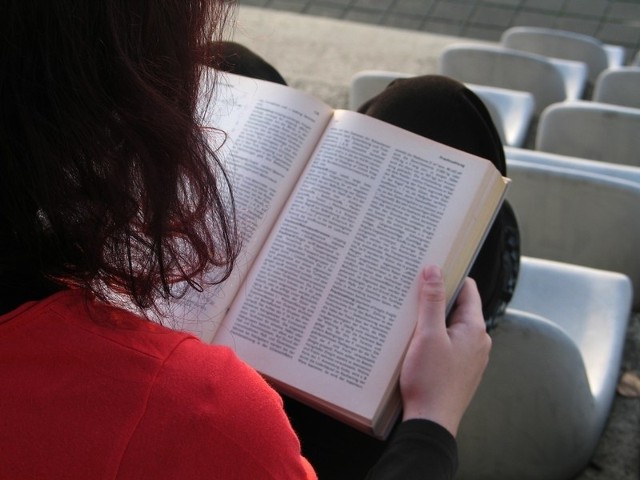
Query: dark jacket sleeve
[[419, 449]]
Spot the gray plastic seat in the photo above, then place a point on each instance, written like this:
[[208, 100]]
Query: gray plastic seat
[[537, 157], [619, 86], [578, 217], [510, 110], [499, 67], [593, 130], [559, 44], [548, 389]]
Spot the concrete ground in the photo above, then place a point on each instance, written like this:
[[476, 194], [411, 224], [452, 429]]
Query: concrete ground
[[319, 55], [611, 21]]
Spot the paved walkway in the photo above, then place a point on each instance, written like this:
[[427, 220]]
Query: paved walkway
[[612, 21]]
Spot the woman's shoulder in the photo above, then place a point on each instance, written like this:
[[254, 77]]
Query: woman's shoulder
[[173, 406], [208, 406]]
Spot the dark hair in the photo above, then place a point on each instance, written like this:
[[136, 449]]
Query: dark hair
[[106, 178]]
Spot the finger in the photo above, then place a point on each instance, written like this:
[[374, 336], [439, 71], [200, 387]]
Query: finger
[[432, 302], [468, 301]]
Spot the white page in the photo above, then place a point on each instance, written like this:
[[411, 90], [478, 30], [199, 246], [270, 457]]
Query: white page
[[263, 133]]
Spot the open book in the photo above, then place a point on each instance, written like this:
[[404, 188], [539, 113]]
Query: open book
[[339, 212]]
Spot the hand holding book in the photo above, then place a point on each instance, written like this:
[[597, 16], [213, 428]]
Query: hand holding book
[[340, 211], [444, 364]]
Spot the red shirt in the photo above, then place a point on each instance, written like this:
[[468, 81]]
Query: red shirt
[[91, 391]]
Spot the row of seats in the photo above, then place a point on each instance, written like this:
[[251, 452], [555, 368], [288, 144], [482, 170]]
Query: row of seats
[[589, 129], [554, 43], [511, 110], [549, 79], [546, 395], [545, 400], [582, 212]]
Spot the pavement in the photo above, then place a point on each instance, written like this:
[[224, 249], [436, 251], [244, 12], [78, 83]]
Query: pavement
[[319, 53], [612, 21]]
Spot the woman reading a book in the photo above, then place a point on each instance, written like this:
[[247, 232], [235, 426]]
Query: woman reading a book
[[110, 196]]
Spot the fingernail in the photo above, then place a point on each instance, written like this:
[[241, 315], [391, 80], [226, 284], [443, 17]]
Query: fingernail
[[432, 273]]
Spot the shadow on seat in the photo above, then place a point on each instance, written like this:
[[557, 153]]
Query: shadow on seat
[[593, 130], [548, 390], [578, 217], [510, 110]]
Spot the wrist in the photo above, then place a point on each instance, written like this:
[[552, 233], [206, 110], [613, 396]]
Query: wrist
[[448, 421]]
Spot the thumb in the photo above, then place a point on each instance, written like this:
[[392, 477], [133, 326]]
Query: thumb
[[432, 301]]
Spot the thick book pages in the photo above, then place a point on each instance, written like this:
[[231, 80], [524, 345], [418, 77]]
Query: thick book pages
[[340, 212]]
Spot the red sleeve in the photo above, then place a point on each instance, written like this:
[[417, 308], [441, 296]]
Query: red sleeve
[[209, 415]]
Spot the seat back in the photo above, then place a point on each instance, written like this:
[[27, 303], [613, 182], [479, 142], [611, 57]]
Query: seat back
[[619, 86], [593, 130], [592, 307], [559, 44], [552, 374], [510, 69], [537, 157], [578, 217], [532, 416]]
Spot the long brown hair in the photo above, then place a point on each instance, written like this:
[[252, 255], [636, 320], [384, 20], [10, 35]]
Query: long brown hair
[[106, 178]]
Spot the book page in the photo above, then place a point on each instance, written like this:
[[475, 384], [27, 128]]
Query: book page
[[263, 134], [330, 305]]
